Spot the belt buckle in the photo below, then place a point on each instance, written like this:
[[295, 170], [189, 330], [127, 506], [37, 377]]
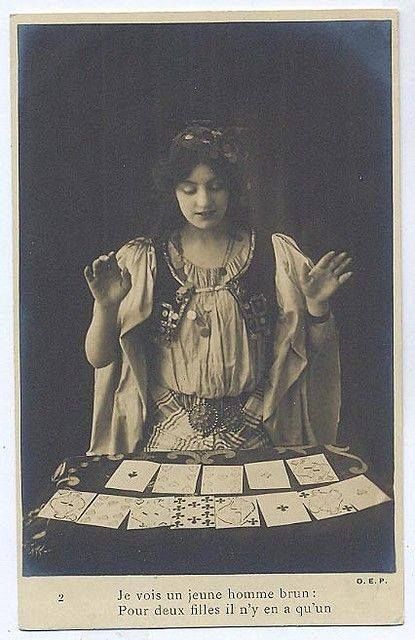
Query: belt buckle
[[204, 418], [231, 415]]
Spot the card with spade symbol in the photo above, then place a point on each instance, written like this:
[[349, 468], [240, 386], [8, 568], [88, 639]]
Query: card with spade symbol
[[193, 513], [133, 475]]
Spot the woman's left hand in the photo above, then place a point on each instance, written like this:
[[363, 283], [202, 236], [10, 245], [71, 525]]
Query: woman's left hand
[[320, 282]]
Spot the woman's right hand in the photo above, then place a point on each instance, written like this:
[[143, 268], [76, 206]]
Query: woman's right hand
[[107, 283]]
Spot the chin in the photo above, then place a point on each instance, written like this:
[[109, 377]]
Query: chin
[[206, 223]]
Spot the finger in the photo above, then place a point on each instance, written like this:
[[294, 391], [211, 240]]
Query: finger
[[337, 260], [100, 259], [99, 264], [88, 274], [345, 276], [341, 268], [305, 272], [325, 260], [125, 279], [112, 261], [125, 275]]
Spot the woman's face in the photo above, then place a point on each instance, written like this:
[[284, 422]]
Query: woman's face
[[203, 197]]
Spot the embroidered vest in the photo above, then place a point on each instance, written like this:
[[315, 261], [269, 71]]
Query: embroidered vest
[[253, 289]]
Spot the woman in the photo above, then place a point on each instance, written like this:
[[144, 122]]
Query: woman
[[208, 336]]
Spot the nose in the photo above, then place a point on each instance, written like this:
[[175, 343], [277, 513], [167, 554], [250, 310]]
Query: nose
[[203, 198]]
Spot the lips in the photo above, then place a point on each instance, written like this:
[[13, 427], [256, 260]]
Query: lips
[[204, 213]]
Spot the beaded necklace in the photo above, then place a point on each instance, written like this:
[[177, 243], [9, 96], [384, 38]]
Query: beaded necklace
[[222, 270], [199, 315]]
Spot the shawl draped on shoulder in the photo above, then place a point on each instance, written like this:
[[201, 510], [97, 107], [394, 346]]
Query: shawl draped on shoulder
[[302, 396]]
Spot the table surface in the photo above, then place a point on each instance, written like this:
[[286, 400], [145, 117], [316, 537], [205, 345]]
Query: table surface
[[359, 542]]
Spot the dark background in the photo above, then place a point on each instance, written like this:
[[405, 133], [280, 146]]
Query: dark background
[[96, 105]]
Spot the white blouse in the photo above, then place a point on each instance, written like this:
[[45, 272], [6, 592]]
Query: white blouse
[[212, 355]]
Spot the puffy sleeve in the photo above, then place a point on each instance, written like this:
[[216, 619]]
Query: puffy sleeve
[[302, 395], [138, 257], [120, 389]]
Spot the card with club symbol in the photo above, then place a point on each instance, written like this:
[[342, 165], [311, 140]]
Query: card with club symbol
[[133, 475], [282, 508], [149, 513], [362, 492], [193, 513], [236, 511], [327, 502]]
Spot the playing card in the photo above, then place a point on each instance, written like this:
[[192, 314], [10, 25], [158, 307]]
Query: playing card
[[177, 478], [133, 475], [313, 469], [326, 502], [236, 511], [66, 504], [148, 513], [282, 508], [106, 511], [193, 513], [218, 479], [362, 492], [267, 475]]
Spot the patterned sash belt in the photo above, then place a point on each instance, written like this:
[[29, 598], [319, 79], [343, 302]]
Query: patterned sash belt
[[208, 416]]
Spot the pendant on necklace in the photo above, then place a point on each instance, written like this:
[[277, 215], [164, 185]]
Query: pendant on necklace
[[205, 332], [181, 291]]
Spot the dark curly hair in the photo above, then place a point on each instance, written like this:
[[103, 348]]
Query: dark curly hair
[[224, 151], [221, 150]]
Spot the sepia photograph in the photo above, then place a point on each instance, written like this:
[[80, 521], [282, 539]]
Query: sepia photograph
[[206, 215]]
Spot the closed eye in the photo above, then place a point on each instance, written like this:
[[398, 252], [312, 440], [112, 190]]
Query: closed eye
[[190, 188]]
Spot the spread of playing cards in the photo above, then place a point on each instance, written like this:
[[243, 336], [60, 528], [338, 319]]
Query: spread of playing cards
[[208, 337], [217, 500]]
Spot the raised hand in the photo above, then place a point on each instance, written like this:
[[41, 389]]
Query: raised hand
[[320, 282], [108, 284]]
